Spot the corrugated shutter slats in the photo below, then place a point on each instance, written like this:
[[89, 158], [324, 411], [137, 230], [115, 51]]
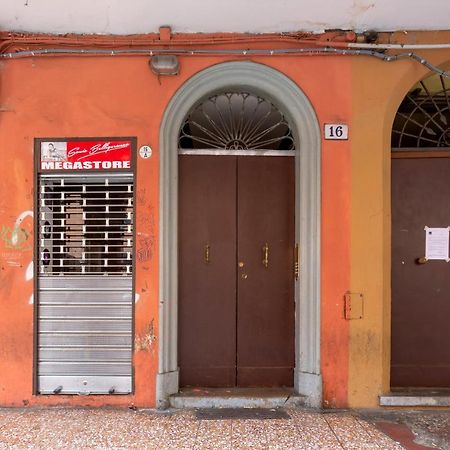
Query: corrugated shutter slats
[[85, 301]]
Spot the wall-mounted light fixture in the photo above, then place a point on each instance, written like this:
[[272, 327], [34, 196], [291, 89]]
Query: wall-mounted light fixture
[[165, 65]]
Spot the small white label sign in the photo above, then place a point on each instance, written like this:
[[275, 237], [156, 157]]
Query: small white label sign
[[337, 131], [436, 243], [145, 152]]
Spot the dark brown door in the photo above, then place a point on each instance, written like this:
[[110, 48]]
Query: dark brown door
[[236, 299], [207, 270], [420, 292]]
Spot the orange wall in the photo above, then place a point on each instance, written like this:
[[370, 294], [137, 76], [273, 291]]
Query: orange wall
[[107, 96], [335, 239]]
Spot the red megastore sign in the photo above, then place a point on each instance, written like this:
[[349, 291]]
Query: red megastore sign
[[85, 155]]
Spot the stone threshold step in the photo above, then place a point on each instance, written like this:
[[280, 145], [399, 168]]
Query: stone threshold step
[[236, 398], [417, 398]]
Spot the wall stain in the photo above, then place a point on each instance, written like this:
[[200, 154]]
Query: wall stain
[[16, 238], [140, 196], [144, 342], [145, 249], [17, 241]]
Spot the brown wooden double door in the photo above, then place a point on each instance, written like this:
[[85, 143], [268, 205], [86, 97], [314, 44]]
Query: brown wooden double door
[[236, 279]]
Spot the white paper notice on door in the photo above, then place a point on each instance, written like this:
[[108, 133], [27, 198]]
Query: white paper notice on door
[[436, 243]]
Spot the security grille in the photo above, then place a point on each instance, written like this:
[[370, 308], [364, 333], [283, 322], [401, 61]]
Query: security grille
[[86, 225], [422, 122], [85, 284], [236, 123]]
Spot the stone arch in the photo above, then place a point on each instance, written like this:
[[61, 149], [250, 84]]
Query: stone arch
[[279, 89]]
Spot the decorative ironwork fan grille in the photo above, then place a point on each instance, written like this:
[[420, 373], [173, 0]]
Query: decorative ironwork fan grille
[[423, 118], [236, 121]]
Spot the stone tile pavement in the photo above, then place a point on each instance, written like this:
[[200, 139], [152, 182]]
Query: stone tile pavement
[[415, 429], [69, 428]]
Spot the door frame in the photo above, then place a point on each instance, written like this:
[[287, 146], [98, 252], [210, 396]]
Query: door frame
[[293, 103]]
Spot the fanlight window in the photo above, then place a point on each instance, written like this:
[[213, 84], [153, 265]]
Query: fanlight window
[[237, 122], [423, 118]]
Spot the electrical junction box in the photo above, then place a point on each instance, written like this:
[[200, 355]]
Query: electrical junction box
[[353, 305]]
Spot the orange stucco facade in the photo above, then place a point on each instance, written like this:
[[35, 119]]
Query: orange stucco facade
[[78, 96]]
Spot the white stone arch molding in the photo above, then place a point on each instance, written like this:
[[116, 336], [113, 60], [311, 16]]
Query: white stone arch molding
[[286, 95]]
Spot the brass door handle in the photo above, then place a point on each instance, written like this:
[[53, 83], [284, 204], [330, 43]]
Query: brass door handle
[[421, 260], [265, 250], [296, 262], [207, 251]]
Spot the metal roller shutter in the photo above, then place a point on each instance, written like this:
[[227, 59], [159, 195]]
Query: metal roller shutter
[[85, 296]]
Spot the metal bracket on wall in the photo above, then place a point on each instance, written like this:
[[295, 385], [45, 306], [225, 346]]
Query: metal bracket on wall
[[353, 305]]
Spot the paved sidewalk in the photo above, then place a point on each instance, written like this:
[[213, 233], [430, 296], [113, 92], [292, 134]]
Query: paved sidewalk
[[415, 429], [57, 428]]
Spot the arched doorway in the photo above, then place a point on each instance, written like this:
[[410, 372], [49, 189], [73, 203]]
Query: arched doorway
[[236, 246], [275, 88], [420, 357]]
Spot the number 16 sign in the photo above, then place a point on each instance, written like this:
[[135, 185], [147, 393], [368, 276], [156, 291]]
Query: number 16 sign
[[336, 131]]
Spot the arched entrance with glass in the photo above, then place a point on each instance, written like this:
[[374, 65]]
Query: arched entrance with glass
[[237, 252], [266, 113], [420, 356]]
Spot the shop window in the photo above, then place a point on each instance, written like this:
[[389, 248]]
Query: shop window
[[86, 225]]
